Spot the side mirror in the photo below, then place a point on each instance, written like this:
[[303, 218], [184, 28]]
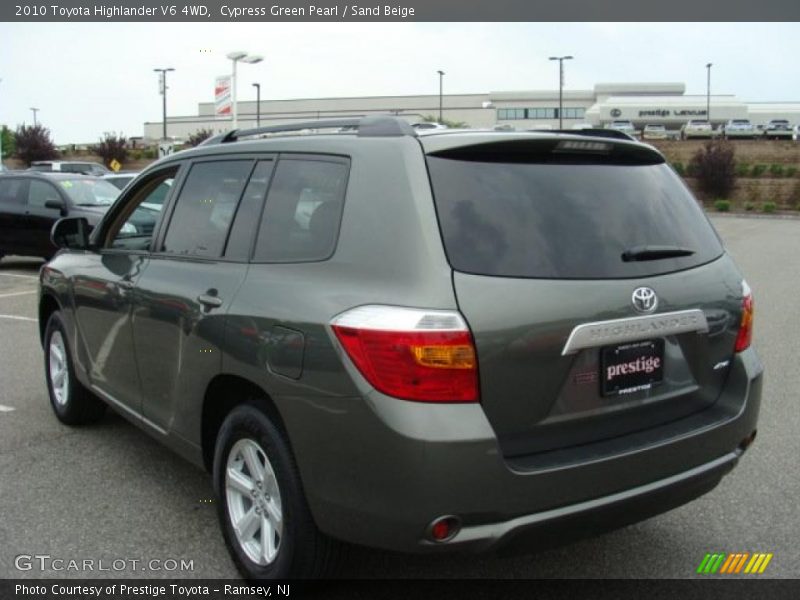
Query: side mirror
[[56, 204], [71, 232]]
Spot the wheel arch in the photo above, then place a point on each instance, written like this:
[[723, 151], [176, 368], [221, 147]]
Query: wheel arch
[[48, 304], [224, 393]]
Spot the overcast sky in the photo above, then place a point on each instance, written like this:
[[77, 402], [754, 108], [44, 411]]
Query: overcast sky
[[88, 78]]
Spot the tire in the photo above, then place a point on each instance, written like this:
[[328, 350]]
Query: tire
[[280, 540], [72, 403]]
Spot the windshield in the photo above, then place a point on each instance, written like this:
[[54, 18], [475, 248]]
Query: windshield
[[566, 221], [89, 192]]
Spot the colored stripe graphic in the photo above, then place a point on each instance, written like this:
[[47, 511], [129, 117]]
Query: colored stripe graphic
[[734, 563]]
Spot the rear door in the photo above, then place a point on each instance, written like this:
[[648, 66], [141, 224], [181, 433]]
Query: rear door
[[185, 292], [598, 294], [13, 192]]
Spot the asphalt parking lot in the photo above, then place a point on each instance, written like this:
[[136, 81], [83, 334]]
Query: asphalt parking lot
[[110, 492]]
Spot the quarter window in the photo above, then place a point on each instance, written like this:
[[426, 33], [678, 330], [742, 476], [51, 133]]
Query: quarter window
[[301, 218], [205, 208]]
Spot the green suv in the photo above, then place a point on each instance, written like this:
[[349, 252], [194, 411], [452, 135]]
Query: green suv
[[465, 340]]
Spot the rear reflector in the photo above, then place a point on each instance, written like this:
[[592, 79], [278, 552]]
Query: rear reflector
[[745, 335], [411, 354]]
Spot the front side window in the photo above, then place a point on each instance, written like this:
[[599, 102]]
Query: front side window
[[135, 227], [301, 218], [205, 208], [41, 192]]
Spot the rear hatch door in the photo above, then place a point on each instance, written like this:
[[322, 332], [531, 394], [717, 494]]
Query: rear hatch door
[[599, 296]]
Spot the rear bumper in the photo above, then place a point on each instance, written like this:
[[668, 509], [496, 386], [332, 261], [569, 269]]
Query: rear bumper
[[584, 519], [377, 471]]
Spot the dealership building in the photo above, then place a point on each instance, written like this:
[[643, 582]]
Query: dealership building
[[643, 103]]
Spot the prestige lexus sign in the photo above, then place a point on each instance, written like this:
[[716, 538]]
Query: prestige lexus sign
[[662, 112]]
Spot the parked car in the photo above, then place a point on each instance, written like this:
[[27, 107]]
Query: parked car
[[696, 129], [30, 203], [70, 166], [429, 126], [796, 133], [121, 178], [445, 342], [778, 129], [654, 132], [739, 129], [623, 126]]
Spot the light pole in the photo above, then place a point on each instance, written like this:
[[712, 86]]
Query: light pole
[[235, 57], [561, 60], [34, 111], [441, 77], [258, 103], [162, 88], [708, 93]]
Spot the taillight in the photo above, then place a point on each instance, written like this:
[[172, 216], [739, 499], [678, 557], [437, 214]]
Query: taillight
[[745, 335], [409, 353]]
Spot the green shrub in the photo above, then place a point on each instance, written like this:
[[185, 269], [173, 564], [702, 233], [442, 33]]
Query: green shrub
[[790, 171], [749, 206], [776, 170], [722, 205], [714, 166], [742, 169], [150, 153], [758, 170], [769, 207], [679, 168]]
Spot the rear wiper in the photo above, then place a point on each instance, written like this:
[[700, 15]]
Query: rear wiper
[[637, 253]]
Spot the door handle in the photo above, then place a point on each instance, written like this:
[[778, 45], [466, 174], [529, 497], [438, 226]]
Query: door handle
[[125, 284], [209, 301]]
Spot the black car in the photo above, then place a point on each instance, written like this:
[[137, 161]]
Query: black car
[[31, 202]]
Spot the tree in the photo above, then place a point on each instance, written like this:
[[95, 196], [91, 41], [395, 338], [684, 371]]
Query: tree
[[8, 142], [33, 143], [714, 165], [111, 147], [198, 137]]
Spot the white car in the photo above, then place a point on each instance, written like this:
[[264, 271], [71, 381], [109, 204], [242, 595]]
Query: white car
[[428, 126], [778, 129], [623, 126], [739, 129], [654, 132], [695, 129], [796, 133]]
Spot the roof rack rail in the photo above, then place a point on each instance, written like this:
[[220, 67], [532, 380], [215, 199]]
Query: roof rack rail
[[592, 132], [381, 126]]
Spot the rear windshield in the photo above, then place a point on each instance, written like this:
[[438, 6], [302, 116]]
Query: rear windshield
[[566, 221]]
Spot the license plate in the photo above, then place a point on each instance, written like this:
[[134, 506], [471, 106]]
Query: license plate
[[632, 367]]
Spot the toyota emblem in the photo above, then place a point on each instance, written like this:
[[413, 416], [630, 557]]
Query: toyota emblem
[[644, 299]]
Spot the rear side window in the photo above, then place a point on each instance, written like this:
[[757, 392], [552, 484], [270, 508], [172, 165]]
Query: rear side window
[[10, 191], [205, 208], [566, 221], [303, 212]]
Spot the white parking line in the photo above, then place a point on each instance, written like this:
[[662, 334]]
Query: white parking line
[[17, 294], [18, 318], [4, 408], [20, 276]]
